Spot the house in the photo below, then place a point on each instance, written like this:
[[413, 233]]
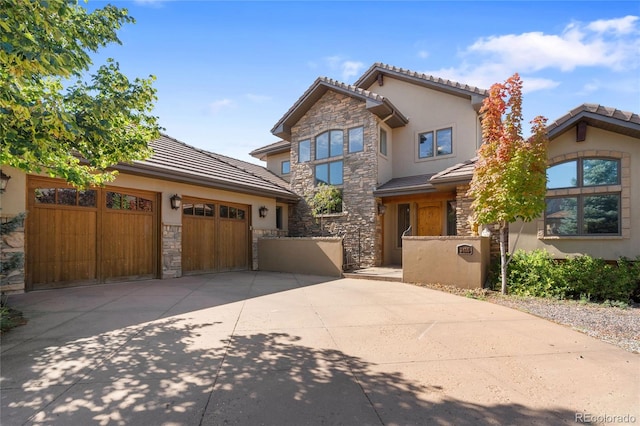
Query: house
[[401, 146], [382, 141], [593, 198], [182, 211]]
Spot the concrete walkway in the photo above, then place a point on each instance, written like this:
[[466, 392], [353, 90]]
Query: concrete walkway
[[280, 349]]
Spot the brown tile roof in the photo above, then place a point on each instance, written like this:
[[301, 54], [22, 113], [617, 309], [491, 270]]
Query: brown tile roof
[[274, 148], [606, 118], [375, 103], [371, 75], [458, 173], [405, 186], [175, 160]]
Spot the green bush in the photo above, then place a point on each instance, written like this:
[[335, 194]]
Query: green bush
[[535, 274], [582, 277]]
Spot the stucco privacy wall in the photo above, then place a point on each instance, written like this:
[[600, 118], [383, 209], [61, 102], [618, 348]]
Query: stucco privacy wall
[[314, 256], [600, 143], [359, 219], [437, 260]]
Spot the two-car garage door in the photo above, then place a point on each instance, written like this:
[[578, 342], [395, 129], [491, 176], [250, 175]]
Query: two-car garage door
[[89, 236]]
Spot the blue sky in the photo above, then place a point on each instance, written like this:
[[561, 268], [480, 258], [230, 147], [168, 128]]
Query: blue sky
[[227, 71]]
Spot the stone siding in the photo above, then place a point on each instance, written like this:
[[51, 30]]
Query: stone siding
[[12, 244], [171, 251], [358, 221]]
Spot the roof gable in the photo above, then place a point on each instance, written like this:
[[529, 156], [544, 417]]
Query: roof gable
[[379, 70], [376, 104], [606, 118]]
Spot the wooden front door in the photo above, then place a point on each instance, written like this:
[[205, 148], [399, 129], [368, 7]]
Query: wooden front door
[[430, 219], [76, 237], [215, 236]]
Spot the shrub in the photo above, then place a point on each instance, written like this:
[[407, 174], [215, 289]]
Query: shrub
[[535, 273]]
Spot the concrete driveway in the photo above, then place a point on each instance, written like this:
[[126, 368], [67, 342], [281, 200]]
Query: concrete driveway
[[256, 348]]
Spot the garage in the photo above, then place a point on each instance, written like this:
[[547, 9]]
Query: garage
[[91, 236], [215, 236]]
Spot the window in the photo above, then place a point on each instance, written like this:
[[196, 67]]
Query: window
[[436, 143], [383, 142], [198, 209], [279, 217], [586, 209], [119, 201], [66, 196], [356, 139], [229, 212], [329, 144], [285, 167], [329, 173], [304, 151], [404, 221]]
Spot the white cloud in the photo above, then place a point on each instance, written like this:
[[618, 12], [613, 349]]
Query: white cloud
[[346, 68], [612, 44], [624, 25], [258, 98], [219, 105], [423, 54]]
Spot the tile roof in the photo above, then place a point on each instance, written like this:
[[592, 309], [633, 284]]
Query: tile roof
[[377, 104], [404, 186], [449, 86], [274, 148], [607, 118], [175, 160], [461, 172]]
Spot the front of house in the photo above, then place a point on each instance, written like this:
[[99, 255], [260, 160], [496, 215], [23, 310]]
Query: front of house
[[134, 229], [401, 147], [380, 141]]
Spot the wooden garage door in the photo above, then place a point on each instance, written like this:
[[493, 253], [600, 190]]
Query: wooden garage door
[[77, 237], [214, 236]]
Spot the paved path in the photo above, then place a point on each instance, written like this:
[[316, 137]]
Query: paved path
[[280, 349]]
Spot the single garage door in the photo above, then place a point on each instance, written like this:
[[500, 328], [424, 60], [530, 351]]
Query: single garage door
[[215, 236], [77, 237]]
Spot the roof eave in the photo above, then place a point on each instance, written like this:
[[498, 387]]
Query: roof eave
[[147, 170], [594, 119], [408, 190]]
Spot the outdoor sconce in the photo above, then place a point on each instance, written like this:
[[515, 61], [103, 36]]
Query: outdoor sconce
[[381, 209], [262, 211], [4, 180], [176, 201]]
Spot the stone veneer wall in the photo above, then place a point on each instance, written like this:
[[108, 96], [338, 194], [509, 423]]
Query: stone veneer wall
[[359, 219], [171, 251], [464, 225], [11, 243], [261, 233]]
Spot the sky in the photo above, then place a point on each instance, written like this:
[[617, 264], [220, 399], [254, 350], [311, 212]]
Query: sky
[[228, 71]]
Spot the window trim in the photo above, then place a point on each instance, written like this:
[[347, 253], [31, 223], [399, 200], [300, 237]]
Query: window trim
[[434, 131], [622, 189]]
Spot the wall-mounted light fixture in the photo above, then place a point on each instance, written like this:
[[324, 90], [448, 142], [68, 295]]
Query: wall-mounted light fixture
[[4, 180], [262, 211], [176, 201], [381, 209]]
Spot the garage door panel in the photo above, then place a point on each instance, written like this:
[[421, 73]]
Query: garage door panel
[[198, 244], [127, 245], [233, 245]]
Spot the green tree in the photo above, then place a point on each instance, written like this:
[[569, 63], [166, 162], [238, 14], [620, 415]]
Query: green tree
[[74, 130], [509, 182], [326, 199]]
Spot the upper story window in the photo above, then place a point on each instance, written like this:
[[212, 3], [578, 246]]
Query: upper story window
[[435, 143], [285, 167], [583, 198], [304, 151], [329, 173], [356, 139], [329, 144], [383, 142]]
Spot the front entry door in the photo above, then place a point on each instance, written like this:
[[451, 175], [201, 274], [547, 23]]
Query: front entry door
[[430, 219]]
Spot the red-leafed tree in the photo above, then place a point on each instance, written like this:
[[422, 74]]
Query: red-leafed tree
[[509, 182]]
